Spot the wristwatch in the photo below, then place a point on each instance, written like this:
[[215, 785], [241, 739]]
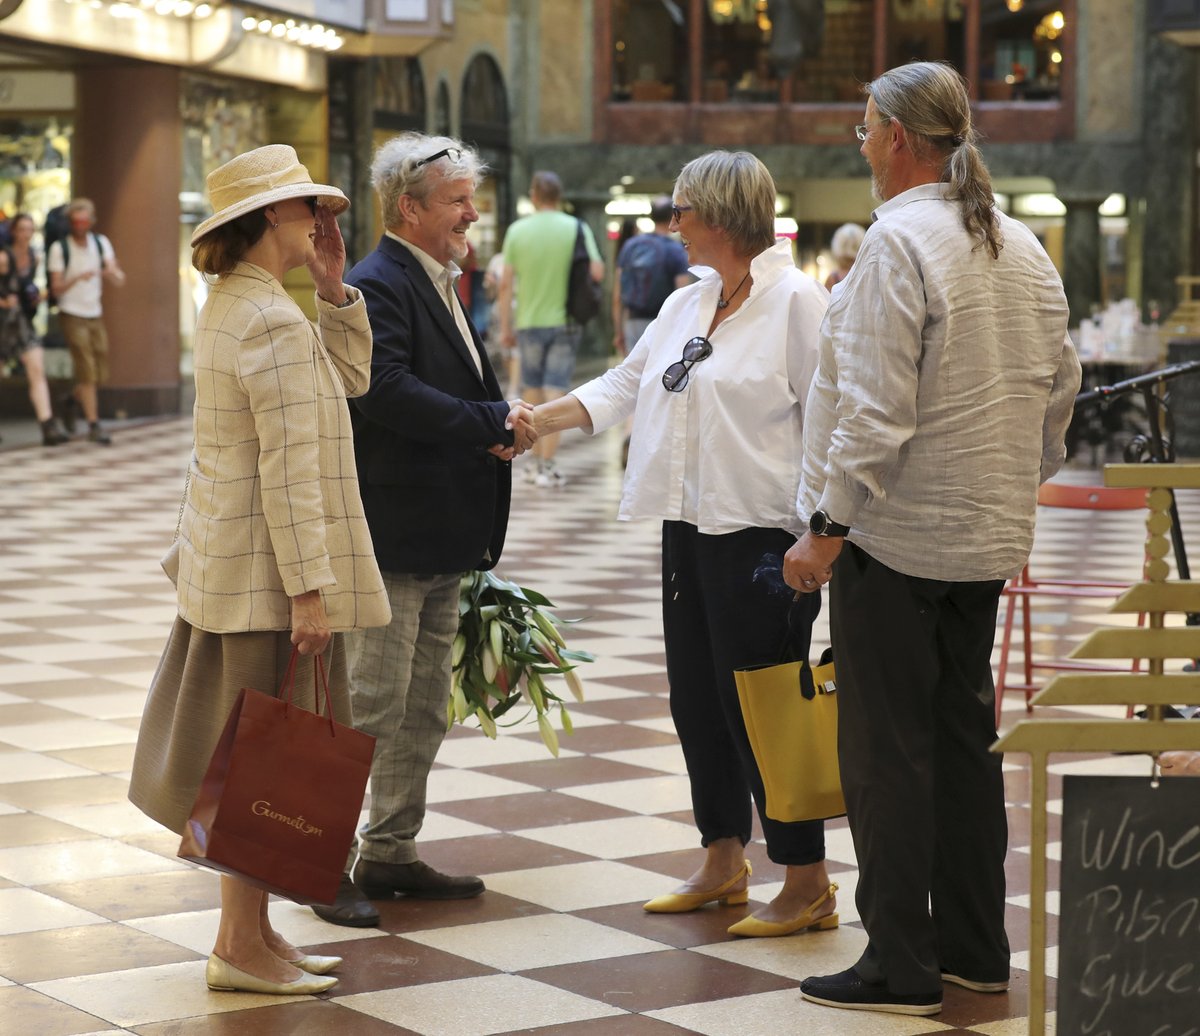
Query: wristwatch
[[820, 524]]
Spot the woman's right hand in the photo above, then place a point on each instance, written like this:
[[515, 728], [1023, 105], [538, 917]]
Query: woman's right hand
[[310, 624]]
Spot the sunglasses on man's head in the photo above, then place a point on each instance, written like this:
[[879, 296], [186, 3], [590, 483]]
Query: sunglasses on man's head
[[452, 153], [675, 377]]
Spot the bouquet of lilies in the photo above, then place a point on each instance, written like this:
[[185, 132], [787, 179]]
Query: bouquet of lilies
[[508, 642]]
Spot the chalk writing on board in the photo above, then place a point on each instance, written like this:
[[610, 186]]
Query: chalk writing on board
[[1129, 937]]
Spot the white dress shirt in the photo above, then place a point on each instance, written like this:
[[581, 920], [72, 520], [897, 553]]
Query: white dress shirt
[[443, 278], [944, 389], [723, 453]]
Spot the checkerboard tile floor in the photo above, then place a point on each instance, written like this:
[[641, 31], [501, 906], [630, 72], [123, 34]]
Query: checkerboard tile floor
[[102, 930]]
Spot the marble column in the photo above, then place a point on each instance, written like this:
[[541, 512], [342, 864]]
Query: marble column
[[127, 157], [1081, 255]]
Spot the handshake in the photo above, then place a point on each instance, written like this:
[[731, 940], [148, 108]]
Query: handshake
[[520, 421]]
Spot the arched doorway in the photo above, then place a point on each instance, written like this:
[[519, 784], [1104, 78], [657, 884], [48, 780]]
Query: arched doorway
[[484, 125], [400, 106], [399, 93], [441, 109]]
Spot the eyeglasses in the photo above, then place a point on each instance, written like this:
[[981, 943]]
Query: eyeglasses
[[679, 210], [312, 205], [452, 153], [675, 378], [864, 128]]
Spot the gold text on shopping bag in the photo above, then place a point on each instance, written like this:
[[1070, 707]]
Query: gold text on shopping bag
[[263, 808]]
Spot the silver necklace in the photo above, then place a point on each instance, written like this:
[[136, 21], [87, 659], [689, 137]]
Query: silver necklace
[[722, 301]]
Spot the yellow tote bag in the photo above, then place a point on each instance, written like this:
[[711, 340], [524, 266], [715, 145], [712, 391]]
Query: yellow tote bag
[[794, 738]]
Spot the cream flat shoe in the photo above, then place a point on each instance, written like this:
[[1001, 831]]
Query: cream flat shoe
[[315, 965], [224, 977]]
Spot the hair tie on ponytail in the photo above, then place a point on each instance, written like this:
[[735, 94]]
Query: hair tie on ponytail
[[957, 140]]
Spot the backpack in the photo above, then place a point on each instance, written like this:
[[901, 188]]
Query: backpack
[[583, 293], [64, 242], [646, 280], [56, 227]]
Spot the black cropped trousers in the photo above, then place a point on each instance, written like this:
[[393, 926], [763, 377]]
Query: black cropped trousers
[[717, 616]]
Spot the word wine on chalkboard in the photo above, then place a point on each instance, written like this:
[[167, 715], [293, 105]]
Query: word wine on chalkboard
[[1129, 931]]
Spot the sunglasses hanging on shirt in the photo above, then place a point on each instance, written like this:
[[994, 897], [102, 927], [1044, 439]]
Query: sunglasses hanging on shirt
[[675, 377]]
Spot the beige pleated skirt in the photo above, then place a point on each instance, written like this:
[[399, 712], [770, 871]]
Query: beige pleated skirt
[[192, 693]]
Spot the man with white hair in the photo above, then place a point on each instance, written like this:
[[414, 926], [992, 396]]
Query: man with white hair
[[433, 438]]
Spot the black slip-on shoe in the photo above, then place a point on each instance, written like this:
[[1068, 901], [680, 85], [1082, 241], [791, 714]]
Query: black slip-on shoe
[[350, 908], [849, 990], [417, 880], [975, 985]]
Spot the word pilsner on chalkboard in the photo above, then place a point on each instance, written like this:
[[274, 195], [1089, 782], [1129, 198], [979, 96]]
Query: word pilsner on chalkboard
[[1129, 932]]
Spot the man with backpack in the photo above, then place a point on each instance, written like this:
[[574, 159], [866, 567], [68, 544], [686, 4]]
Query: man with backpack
[[78, 264], [539, 252], [649, 268]]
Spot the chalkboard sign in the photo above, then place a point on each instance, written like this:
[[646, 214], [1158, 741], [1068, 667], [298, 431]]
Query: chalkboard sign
[[1183, 400], [1129, 931]]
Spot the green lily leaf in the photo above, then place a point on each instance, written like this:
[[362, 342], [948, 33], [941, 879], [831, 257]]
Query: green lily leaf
[[509, 644]]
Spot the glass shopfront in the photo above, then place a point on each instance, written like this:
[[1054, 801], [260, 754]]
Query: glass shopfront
[[221, 119], [771, 51], [35, 177]]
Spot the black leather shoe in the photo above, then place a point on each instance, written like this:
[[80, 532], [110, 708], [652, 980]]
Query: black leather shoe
[[848, 989], [416, 879], [350, 908]]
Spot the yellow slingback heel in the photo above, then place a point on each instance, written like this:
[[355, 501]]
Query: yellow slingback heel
[[682, 902]]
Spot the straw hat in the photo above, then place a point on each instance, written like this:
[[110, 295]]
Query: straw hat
[[259, 178]]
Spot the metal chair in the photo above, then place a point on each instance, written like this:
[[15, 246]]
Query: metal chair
[[1019, 591]]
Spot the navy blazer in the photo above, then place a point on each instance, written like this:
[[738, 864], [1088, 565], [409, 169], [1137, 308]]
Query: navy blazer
[[436, 500]]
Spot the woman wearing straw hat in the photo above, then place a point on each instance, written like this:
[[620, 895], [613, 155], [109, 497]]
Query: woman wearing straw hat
[[272, 547]]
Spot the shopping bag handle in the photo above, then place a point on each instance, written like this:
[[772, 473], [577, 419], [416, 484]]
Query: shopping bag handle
[[808, 686], [320, 683]]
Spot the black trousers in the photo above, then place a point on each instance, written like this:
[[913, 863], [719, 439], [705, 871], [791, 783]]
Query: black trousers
[[717, 617], [925, 796]]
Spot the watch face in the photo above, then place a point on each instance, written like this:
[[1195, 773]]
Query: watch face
[[820, 524]]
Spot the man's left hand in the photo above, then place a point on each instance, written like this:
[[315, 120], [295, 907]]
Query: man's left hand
[[808, 564], [329, 257]]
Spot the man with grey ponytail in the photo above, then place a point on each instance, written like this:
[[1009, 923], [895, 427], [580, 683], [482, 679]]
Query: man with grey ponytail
[[943, 391]]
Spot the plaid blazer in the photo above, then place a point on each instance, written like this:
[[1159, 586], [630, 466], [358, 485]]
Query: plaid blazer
[[273, 508]]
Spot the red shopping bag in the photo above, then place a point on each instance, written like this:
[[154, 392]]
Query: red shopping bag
[[281, 798]]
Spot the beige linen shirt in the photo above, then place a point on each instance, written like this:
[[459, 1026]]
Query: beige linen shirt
[[943, 392], [273, 508]]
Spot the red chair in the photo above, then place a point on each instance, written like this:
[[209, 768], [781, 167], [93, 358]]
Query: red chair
[[1025, 586]]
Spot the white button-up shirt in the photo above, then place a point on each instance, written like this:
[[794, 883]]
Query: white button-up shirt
[[945, 386], [723, 453]]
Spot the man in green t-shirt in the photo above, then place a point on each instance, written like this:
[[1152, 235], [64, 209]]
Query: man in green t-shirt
[[537, 253]]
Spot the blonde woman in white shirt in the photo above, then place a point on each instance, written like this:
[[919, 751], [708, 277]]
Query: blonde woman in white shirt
[[716, 386]]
